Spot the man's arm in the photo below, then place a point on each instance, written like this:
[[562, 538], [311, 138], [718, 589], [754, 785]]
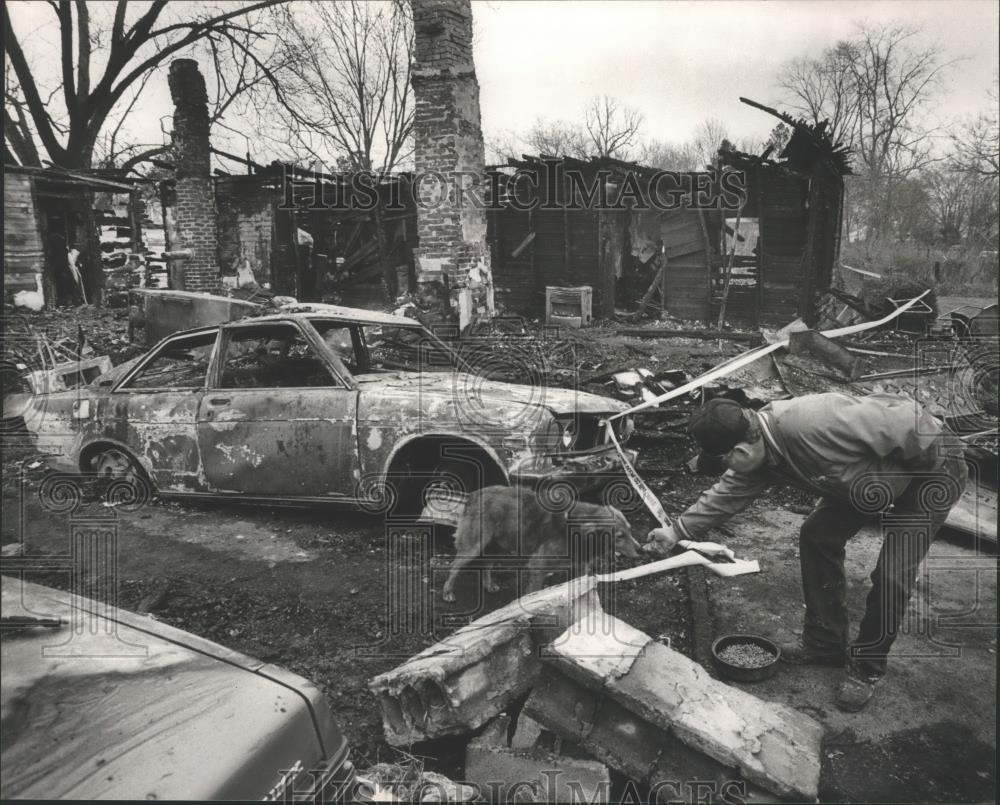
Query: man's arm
[[730, 495]]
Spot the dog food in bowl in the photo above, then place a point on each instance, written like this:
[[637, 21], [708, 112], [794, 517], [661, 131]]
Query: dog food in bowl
[[745, 658], [746, 655]]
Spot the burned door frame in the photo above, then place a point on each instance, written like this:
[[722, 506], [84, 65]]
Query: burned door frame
[[279, 442], [159, 425]]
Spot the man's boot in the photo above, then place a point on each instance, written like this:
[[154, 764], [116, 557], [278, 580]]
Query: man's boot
[[804, 654], [856, 690]]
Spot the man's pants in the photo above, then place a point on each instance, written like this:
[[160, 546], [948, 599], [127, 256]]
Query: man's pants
[[918, 514]]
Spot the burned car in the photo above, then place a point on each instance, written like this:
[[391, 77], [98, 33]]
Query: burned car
[[100, 703], [318, 404]]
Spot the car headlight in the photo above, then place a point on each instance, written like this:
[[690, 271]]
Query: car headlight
[[568, 435], [547, 436], [555, 435]]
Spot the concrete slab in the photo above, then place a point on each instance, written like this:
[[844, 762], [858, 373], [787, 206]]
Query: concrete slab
[[772, 746], [649, 754], [460, 683]]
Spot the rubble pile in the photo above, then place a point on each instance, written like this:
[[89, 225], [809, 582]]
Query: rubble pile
[[601, 695], [85, 331]]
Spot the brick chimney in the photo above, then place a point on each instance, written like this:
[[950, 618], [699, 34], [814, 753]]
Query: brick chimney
[[195, 197], [449, 140]]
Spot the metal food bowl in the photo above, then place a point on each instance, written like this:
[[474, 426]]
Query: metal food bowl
[[740, 673]]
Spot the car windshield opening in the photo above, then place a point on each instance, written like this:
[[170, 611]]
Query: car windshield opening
[[399, 348]]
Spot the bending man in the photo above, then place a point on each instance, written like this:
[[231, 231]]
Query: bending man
[[861, 455]]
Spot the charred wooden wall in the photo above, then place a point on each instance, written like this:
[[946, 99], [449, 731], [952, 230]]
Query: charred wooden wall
[[23, 255], [572, 243], [246, 207], [782, 198], [258, 225], [691, 248], [798, 217]]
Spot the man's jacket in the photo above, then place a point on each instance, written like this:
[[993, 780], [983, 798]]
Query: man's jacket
[[834, 445]]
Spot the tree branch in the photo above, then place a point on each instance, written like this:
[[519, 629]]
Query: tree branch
[[65, 13], [30, 90], [83, 43]]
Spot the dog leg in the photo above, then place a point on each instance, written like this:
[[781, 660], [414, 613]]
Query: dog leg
[[537, 571], [488, 584], [460, 561]]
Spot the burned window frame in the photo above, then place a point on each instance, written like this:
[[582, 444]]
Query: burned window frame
[[327, 359], [157, 352]]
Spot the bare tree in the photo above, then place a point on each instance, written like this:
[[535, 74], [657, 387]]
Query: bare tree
[[823, 89], [977, 142], [612, 126], [503, 145], [344, 96], [559, 139], [669, 156], [875, 89], [346, 92], [708, 137], [894, 81], [65, 115]]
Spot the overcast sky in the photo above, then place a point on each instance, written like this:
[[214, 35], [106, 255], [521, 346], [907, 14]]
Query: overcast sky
[[677, 62], [680, 62]]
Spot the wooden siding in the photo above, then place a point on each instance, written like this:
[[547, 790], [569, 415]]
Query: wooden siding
[[566, 251], [514, 278], [687, 264], [783, 241], [23, 255], [798, 219]]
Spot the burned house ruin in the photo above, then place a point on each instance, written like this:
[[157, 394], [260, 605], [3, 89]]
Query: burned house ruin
[[620, 239]]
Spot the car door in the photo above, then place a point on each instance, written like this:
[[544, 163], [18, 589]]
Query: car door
[[155, 409], [279, 418]]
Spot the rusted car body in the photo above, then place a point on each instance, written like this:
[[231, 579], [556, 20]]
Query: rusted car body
[[100, 703], [322, 404]]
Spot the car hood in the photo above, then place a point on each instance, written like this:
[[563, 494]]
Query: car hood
[[556, 400], [112, 705]]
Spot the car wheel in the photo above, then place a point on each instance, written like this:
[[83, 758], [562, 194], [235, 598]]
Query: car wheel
[[124, 481], [444, 495]]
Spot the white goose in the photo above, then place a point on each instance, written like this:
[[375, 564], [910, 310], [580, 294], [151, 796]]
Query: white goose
[[33, 300]]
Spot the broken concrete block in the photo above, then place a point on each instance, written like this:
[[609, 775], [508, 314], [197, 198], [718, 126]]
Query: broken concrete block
[[772, 746], [460, 683], [649, 754], [535, 773], [527, 734], [438, 788]]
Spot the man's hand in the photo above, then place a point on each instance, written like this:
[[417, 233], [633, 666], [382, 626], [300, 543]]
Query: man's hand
[[661, 541], [708, 548]]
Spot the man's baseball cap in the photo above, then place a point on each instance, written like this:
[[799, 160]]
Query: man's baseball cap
[[718, 426]]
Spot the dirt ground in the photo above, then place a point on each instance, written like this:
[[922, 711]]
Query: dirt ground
[[307, 589], [930, 733]]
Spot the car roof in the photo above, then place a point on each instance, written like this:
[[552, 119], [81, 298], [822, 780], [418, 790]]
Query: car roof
[[356, 314], [352, 315]]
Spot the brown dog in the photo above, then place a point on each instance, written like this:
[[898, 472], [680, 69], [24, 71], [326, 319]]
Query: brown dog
[[514, 521]]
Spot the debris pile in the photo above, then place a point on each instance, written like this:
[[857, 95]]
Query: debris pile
[[51, 336], [408, 781], [599, 685]]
